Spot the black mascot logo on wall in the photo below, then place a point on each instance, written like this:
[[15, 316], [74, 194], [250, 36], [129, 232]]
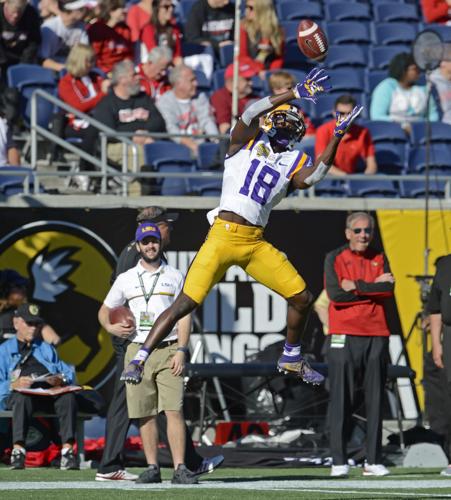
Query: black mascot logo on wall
[[69, 269]]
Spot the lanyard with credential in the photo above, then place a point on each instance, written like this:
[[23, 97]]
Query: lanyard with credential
[[143, 288]]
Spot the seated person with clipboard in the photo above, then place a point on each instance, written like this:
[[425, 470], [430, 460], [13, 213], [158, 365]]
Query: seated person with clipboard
[[33, 378]]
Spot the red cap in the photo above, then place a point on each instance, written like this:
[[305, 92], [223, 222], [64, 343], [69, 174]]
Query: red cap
[[247, 68]]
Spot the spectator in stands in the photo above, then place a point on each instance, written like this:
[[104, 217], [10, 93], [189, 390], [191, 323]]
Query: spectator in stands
[[261, 37], [398, 98], [20, 34], [81, 87], [161, 31], [356, 144], [62, 32], [221, 100], [436, 11], [109, 36], [183, 112], [210, 23], [281, 81], [13, 293], [153, 74], [358, 280], [138, 16], [125, 109], [441, 78], [24, 358], [48, 9]]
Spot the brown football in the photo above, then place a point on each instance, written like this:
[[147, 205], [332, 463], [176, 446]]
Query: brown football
[[312, 41], [121, 314]]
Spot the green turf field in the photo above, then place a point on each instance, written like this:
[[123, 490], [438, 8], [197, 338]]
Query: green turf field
[[227, 484]]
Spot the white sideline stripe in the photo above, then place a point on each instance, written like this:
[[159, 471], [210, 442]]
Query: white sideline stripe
[[309, 31], [376, 487]]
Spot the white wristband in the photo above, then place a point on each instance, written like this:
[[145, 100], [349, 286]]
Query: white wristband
[[141, 356]]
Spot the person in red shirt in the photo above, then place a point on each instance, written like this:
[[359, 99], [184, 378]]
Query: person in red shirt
[[221, 100], [358, 282], [109, 36], [436, 11], [138, 16], [153, 74], [261, 36], [355, 145], [161, 31]]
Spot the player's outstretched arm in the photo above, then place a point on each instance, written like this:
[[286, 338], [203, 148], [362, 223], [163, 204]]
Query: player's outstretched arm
[[247, 126], [306, 177]]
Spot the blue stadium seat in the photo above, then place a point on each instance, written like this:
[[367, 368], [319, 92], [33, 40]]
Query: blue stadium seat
[[21, 75], [417, 189], [439, 158], [205, 187], [290, 29], [373, 188], [45, 109], [159, 153], [175, 186], [347, 80], [184, 8], [383, 131], [388, 12], [440, 133], [341, 32], [207, 153], [372, 78], [293, 9], [203, 83], [348, 56], [226, 55], [11, 182], [381, 56], [293, 58], [347, 11], [391, 157], [394, 33], [331, 188], [443, 30]]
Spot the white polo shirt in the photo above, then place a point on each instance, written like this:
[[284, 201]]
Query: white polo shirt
[[164, 284]]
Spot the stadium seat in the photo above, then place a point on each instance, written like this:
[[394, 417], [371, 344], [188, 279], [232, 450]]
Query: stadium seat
[[184, 8], [391, 157], [290, 29], [207, 153], [159, 153], [205, 186], [373, 188], [331, 188], [175, 186], [417, 189], [443, 30], [372, 78], [45, 109], [352, 56], [293, 58], [386, 131], [440, 133], [347, 80], [225, 55], [388, 12], [293, 9], [341, 32], [439, 158], [347, 11], [381, 56], [394, 33], [203, 83], [11, 182], [21, 75]]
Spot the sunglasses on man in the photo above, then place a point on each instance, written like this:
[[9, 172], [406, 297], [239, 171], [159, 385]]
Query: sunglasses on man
[[358, 230]]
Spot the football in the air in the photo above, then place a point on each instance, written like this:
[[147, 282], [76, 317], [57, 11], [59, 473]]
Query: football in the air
[[121, 314], [312, 41]]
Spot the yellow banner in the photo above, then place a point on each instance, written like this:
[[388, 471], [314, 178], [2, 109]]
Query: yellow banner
[[403, 237]]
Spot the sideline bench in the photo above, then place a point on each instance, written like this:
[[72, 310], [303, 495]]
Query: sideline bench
[[80, 430]]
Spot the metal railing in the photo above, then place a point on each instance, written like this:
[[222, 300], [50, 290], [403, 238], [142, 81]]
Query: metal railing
[[126, 175]]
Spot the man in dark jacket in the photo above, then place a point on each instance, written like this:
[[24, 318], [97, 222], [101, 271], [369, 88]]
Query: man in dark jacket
[[358, 281], [210, 22], [20, 34]]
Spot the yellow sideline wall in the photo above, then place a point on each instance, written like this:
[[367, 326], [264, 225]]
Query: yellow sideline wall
[[403, 237]]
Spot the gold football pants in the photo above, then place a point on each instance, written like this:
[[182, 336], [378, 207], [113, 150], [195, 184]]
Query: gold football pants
[[229, 244]]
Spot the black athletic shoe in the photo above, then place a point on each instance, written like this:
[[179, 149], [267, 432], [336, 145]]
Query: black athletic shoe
[[69, 461], [150, 475], [183, 476], [17, 459]]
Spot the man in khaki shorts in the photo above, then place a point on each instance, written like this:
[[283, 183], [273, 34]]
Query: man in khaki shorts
[[149, 288]]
